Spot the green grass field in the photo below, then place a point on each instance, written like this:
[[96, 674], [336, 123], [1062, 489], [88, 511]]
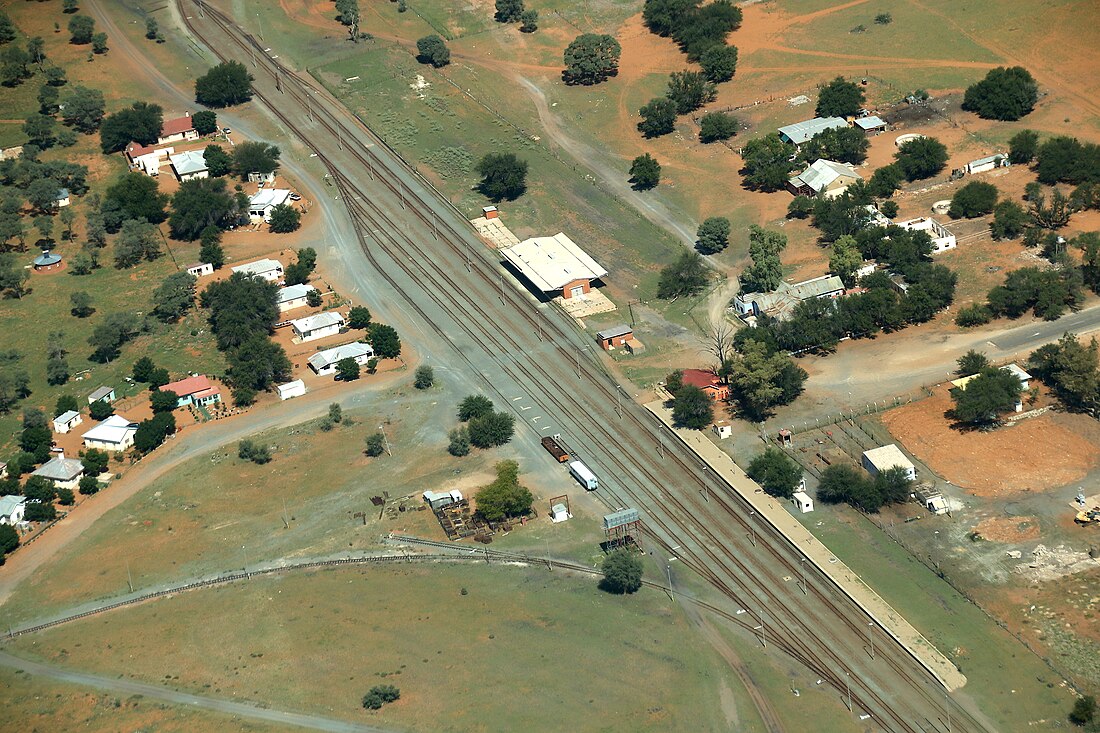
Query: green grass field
[[523, 649]]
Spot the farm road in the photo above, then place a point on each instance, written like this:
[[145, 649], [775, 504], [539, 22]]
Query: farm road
[[228, 707]]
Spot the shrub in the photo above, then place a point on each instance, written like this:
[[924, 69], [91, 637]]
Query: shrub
[[376, 445], [976, 198], [89, 485], [248, 450], [716, 126], [379, 695], [425, 377], [1004, 94], [432, 50], [622, 572], [459, 442]]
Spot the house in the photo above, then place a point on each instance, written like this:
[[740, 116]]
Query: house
[[297, 388], [61, 198], [899, 283], [890, 456], [105, 394], [12, 508], [1023, 376], [324, 362], [266, 199], [294, 296], [867, 268], [196, 390], [189, 165], [988, 163], [942, 239], [66, 421], [147, 159], [708, 382], [318, 326], [47, 261], [801, 132], [114, 434], [876, 218], [554, 265], [824, 177], [871, 126], [261, 178], [64, 472], [201, 269], [176, 129], [613, 337], [267, 269], [781, 302]]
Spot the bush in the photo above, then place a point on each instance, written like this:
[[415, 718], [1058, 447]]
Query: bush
[[645, 172], [379, 695], [716, 126], [622, 572], [459, 442], [975, 314], [226, 84], [1084, 711], [490, 430], [425, 377], [713, 235], [89, 485], [976, 198], [65, 497], [503, 176], [1004, 94], [376, 445], [432, 50], [248, 450], [504, 497]]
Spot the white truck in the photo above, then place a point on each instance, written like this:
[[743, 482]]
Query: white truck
[[586, 478]]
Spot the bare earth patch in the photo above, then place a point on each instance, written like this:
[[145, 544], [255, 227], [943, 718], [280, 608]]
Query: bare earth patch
[[1008, 529]]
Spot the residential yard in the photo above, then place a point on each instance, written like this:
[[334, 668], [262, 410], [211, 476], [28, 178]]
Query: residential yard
[[467, 644]]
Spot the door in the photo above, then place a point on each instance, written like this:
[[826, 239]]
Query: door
[[576, 292]]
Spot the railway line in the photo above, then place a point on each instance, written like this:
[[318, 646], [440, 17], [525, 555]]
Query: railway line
[[704, 520]]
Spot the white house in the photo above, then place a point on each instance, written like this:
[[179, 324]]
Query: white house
[[105, 394], [942, 239], [66, 421], [324, 362], [201, 269], [266, 199], [116, 433], [294, 296], [781, 302], [824, 177], [176, 129], [12, 508], [870, 125], [297, 388], [147, 159], [268, 269], [890, 456], [801, 132], [189, 165], [988, 163], [61, 198], [64, 472], [318, 326], [1021, 374]]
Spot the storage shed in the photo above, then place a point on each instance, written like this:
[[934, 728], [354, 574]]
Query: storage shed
[[890, 456], [66, 421], [614, 337], [297, 388], [803, 501]]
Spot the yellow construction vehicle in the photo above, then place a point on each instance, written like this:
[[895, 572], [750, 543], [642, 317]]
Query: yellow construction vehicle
[[1088, 516]]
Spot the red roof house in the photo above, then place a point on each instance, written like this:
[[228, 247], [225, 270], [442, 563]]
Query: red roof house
[[180, 128], [708, 382], [197, 390]]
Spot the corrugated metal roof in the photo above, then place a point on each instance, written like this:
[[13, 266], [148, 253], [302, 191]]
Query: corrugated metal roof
[[822, 173], [801, 132], [621, 517], [614, 331], [326, 358], [551, 263]]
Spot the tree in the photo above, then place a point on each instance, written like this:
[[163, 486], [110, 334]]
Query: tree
[[376, 445], [100, 410], [713, 235], [14, 386], [174, 297], [1052, 213], [384, 340], [474, 406], [885, 181], [490, 430], [1023, 146], [95, 461], [715, 126], [143, 369], [359, 317], [975, 314], [284, 219], [1004, 94], [761, 379], [687, 275], [347, 369], [775, 472], [81, 29], [690, 90], [41, 194], [425, 377], [1072, 371], [645, 172], [719, 63], [922, 157], [504, 497], [41, 130], [218, 162], [509, 11], [99, 43], [55, 76], [89, 485], [9, 540], [258, 453], [225, 85], [839, 98], [432, 50], [151, 29], [7, 29], [47, 99], [140, 122], [198, 204], [459, 444], [255, 157], [13, 277], [766, 271], [57, 370], [503, 176], [298, 273], [800, 207], [971, 363], [845, 259], [976, 198], [658, 117], [767, 163], [379, 695], [529, 21], [65, 403], [622, 572], [692, 408], [211, 250], [845, 144], [40, 512], [205, 121], [137, 240], [591, 58], [13, 66], [349, 16], [986, 396], [134, 196], [1009, 220], [108, 337]]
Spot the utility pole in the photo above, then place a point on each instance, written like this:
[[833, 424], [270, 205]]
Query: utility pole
[[286, 520], [848, 684], [752, 526], [549, 562], [385, 440], [619, 400], [502, 289], [129, 578], [802, 567], [870, 637]]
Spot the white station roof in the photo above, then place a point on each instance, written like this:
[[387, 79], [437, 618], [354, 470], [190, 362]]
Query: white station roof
[[551, 263]]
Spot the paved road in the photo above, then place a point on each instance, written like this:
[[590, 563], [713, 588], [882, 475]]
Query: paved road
[[1032, 335], [236, 709]]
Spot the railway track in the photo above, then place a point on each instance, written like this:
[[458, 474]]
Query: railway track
[[498, 332]]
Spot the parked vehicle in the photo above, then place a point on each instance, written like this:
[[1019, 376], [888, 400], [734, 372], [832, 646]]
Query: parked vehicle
[[586, 478], [552, 446]]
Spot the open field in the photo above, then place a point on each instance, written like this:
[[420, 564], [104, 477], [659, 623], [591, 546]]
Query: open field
[[32, 703], [521, 647]]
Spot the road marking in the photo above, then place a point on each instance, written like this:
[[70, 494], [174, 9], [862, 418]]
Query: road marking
[[536, 419], [517, 398], [526, 408]]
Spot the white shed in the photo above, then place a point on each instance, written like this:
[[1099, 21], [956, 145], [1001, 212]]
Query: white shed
[[297, 388], [890, 456], [803, 501], [66, 421], [722, 429]]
